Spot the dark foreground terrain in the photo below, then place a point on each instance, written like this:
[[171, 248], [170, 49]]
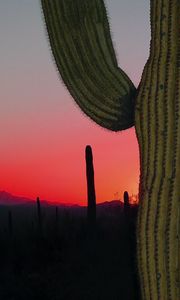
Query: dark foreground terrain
[[65, 259]]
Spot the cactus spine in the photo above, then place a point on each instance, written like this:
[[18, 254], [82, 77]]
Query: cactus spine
[[91, 209], [80, 40]]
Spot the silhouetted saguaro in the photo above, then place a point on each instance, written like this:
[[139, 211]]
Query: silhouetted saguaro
[[126, 203], [56, 220], [10, 223], [39, 215], [91, 210]]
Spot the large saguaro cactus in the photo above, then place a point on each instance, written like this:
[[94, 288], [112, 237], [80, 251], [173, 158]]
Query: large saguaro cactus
[[82, 47]]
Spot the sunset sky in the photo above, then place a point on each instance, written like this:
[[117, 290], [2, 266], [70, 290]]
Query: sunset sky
[[43, 132]]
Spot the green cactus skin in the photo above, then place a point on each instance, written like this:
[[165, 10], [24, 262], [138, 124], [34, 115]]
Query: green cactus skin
[[80, 41], [89, 67], [157, 120], [91, 209]]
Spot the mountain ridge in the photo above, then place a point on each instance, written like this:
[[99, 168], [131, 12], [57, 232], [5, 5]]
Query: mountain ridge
[[9, 199]]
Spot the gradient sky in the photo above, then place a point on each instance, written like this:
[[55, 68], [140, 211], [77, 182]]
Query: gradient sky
[[43, 133]]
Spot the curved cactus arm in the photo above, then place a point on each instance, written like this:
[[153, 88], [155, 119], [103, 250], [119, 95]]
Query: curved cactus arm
[[81, 43]]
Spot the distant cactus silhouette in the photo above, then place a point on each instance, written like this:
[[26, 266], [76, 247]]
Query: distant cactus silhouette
[[126, 204], [39, 215], [10, 223], [91, 209], [56, 220], [81, 43]]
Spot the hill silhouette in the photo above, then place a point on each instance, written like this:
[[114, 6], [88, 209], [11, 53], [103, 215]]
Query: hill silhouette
[[9, 199]]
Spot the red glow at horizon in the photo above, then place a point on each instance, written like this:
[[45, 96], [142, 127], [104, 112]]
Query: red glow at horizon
[[60, 176]]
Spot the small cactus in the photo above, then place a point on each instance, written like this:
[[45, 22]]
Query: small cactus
[[10, 223], [56, 219], [91, 209], [39, 215], [126, 204]]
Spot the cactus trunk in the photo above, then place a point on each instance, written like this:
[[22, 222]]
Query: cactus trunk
[[91, 210], [157, 122]]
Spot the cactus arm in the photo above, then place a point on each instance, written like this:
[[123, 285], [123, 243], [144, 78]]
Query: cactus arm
[[81, 43]]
